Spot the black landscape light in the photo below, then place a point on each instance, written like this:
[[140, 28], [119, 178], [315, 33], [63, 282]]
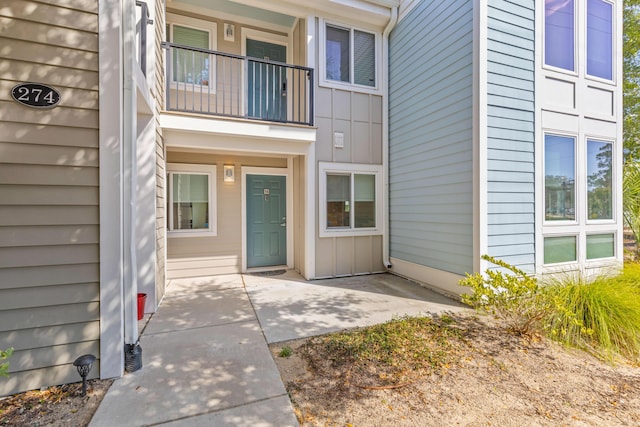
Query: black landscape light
[[83, 364]]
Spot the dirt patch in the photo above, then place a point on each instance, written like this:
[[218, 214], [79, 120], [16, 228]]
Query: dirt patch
[[58, 406], [495, 378]]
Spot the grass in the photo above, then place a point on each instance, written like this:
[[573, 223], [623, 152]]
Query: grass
[[398, 350], [601, 316], [285, 351]]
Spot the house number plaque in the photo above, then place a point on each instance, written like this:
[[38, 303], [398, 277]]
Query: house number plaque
[[35, 95]]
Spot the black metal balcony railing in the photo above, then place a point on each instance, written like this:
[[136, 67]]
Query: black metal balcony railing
[[222, 84]]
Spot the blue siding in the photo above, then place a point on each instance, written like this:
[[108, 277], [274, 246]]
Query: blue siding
[[510, 57], [430, 136]]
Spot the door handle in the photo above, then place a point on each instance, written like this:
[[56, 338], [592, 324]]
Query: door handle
[[284, 222]]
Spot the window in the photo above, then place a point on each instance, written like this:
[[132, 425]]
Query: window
[[560, 249], [350, 56], [559, 34], [351, 199], [600, 246], [599, 184], [192, 66], [600, 39], [191, 200], [559, 178]]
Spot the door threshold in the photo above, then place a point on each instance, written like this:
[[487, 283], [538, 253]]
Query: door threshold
[[274, 269]]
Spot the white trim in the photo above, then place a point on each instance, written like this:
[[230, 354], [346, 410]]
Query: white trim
[[310, 213], [441, 280], [351, 169], [200, 169], [286, 135], [350, 86], [111, 215], [480, 142], [288, 174]]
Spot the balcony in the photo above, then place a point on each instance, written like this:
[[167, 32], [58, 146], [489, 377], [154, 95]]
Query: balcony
[[227, 85]]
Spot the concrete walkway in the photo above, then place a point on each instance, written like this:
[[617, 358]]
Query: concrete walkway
[[205, 356]]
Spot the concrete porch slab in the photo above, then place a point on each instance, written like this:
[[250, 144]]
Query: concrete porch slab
[[204, 284], [290, 308], [201, 309], [193, 373]]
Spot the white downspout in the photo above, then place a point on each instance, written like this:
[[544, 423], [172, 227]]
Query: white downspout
[[130, 172], [393, 20]]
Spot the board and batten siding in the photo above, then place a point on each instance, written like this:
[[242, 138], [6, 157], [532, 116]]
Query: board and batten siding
[[358, 116], [430, 136], [510, 132], [49, 193]]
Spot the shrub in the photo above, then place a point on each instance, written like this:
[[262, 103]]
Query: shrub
[[601, 315], [514, 297], [4, 367]]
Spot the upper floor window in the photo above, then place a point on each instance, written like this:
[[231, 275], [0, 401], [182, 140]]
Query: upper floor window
[[350, 56], [600, 39], [559, 34], [191, 66], [562, 36]]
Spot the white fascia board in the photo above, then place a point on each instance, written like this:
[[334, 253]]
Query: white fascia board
[[237, 144], [246, 129], [177, 6], [374, 11]]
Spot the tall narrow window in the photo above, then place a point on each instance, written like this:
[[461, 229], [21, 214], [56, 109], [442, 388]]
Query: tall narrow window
[[364, 58], [600, 39], [599, 184], [338, 54], [559, 178], [559, 34], [338, 201], [365, 200]]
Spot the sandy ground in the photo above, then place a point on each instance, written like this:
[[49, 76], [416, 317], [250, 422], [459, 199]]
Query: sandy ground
[[494, 379], [497, 379]]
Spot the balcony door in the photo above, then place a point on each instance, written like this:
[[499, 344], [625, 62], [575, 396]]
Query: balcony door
[[267, 83]]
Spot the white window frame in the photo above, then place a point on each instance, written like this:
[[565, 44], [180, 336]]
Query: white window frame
[[580, 44], [576, 42], [211, 172], [322, 66], [202, 25], [576, 177], [582, 226], [614, 172], [613, 43], [350, 169]]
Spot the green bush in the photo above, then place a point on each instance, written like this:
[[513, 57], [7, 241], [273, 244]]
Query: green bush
[[4, 367], [600, 315], [510, 295]]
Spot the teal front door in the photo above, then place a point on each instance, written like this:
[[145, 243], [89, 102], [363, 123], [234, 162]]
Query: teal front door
[[266, 220], [267, 83]]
